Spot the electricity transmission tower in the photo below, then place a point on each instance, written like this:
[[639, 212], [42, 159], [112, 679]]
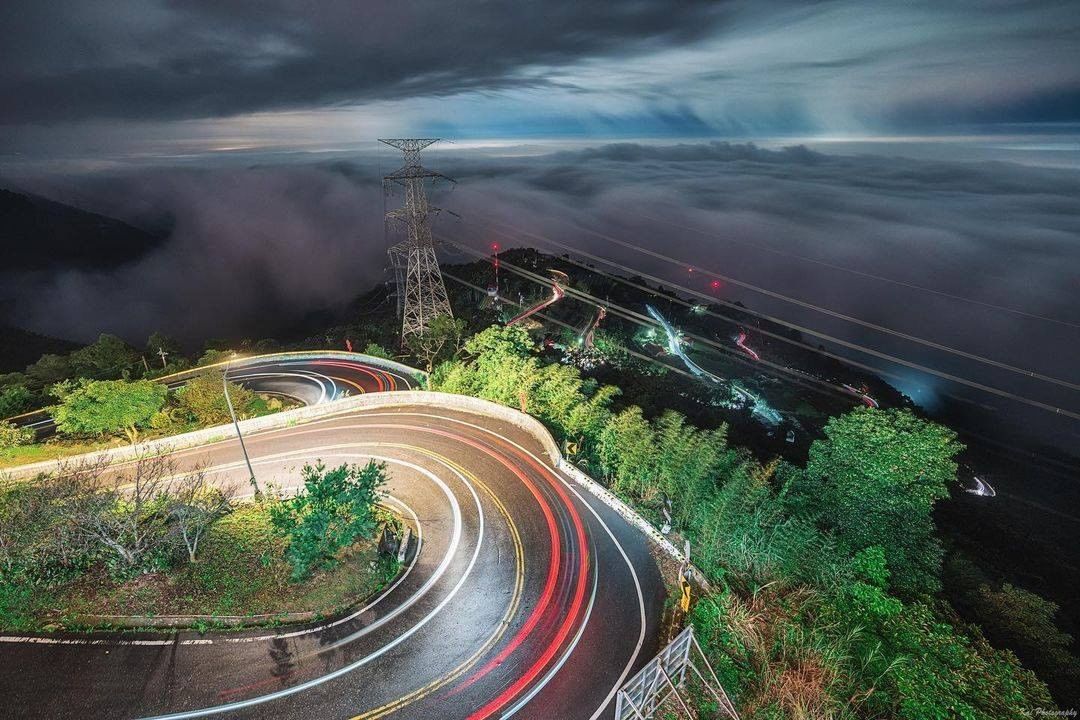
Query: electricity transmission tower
[[421, 293]]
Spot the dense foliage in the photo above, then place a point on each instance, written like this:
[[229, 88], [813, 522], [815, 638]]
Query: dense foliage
[[202, 398], [14, 399], [134, 519], [154, 538], [334, 509], [12, 435], [825, 575], [874, 480], [108, 357], [100, 407]]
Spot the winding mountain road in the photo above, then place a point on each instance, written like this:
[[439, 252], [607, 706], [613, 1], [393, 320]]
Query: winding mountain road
[[305, 377], [527, 597]]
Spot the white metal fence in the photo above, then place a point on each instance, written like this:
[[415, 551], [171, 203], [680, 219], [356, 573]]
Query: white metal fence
[[642, 694], [664, 677]]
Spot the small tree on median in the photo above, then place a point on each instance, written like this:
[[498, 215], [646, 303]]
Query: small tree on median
[[123, 510], [195, 505], [334, 509]]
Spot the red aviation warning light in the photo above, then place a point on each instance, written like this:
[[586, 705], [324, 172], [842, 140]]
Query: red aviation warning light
[[715, 284]]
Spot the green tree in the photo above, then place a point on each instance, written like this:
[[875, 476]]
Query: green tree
[[586, 420], [441, 340], [628, 453], [932, 671], [14, 399], [333, 510], [502, 369], [875, 479], [108, 358], [101, 407], [1024, 622], [49, 370], [688, 460], [376, 350], [158, 342], [203, 399], [213, 356]]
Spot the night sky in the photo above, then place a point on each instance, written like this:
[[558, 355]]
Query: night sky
[[118, 75], [932, 144]]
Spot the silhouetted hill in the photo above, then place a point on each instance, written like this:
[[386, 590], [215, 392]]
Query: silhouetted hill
[[40, 234], [19, 348]]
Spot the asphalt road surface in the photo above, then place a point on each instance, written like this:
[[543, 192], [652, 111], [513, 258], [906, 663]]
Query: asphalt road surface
[[527, 598]]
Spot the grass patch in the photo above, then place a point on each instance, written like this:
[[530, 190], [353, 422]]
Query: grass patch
[[241, 570], [38, 452]]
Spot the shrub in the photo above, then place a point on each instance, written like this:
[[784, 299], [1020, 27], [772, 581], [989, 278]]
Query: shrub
[[334, 509], [213, 357], [14, 399], [11, 435], [204, 401], [376, 350]]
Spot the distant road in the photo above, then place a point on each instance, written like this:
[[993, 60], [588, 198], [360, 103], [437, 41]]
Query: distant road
[[310, 381]]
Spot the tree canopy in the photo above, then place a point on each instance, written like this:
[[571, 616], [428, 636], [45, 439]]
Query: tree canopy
[[876, 478], [203, 398], [101, 407], [107, 358], [334, 509]]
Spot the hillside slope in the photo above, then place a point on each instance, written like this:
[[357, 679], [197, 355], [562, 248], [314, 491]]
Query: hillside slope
[[40, 234]]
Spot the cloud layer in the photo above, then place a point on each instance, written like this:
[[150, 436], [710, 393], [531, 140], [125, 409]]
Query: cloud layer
[[254, 248]]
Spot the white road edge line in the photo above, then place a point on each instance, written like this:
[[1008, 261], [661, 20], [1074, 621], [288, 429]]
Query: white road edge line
[[618, 545], [228, 707]]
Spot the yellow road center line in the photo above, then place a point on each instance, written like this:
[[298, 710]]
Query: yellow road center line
[[519, 583]]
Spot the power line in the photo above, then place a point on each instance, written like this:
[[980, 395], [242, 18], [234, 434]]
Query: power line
[[829, 389], [810, 306], [734, 321], [947, 376], [645, 321], [853, 271], [568, 326]]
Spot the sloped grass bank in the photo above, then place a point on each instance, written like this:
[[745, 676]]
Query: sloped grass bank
[[241, 571]]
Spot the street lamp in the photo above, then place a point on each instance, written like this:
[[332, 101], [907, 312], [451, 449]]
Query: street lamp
[[239, 435]]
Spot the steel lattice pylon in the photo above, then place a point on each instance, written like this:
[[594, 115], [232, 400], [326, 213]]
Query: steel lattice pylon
[[420, 289]]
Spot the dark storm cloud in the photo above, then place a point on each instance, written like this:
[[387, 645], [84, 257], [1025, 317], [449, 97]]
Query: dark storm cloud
[[68, 61], [552, 69]]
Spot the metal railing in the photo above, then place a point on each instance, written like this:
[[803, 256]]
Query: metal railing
[[664, 678]]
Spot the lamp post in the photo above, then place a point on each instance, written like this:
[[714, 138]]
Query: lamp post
[[236, 424]]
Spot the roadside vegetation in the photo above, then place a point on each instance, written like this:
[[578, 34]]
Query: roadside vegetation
[[151, 539], [105, 394], [826, 576]]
